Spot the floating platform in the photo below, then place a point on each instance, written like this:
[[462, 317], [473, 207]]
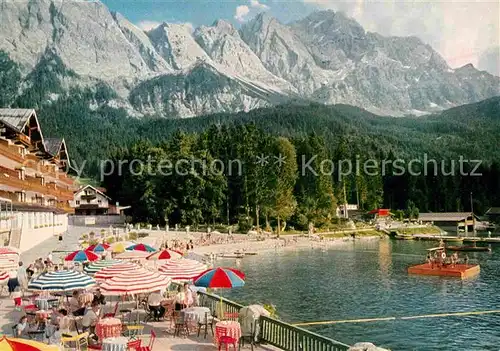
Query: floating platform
[[458, 270]]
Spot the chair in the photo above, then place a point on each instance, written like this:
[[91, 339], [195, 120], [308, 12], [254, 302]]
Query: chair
[[179, 324], [149, 313], [149, 347], [134, 345], [80, 340], [132, 331], [209, 321], [248, 337], [224, 339], [110, 315]]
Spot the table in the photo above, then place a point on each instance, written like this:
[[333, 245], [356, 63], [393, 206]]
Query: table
[[115, 344], [233, 330], [108, 327], [196, 314]]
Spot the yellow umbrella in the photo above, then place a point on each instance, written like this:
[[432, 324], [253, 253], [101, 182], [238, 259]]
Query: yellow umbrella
[[120, 246], [15, 344]]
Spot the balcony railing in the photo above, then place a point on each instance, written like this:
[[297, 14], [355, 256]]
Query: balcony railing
[[33, 162], [11, 178]]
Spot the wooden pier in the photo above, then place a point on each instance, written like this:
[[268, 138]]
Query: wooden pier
[[445, 238]]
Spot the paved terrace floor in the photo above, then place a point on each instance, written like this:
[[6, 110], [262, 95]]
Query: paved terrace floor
[[165, 339]]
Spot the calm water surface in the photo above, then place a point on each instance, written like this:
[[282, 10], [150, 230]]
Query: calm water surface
[[368, 280]]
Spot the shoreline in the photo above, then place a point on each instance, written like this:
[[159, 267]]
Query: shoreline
[[275, 245]]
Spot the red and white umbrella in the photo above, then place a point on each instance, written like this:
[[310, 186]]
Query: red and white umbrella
[[115, 270], [138, 281], [4, 276], [5, 250], [166, 254], [182, 269]]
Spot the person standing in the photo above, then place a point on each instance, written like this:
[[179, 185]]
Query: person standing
[[22, 277]]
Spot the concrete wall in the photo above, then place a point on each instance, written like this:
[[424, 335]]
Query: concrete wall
[[37, 227], [103, 220]]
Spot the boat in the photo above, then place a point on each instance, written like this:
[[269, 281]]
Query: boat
[[440, 266], [250, 253], [470, 248], [235, 255]]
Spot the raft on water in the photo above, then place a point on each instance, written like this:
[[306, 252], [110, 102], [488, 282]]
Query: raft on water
[[457, 270]]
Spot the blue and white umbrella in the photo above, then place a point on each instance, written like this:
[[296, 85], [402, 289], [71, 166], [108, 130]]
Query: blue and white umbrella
[[96, 266], [61, 281]]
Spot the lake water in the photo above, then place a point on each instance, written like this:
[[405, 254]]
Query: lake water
[[370, 280]]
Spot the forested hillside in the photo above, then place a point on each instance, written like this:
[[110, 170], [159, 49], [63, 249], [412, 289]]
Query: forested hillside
[[96, 131]]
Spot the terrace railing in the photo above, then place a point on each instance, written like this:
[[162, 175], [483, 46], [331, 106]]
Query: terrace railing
[[274, 332], [290, 338]]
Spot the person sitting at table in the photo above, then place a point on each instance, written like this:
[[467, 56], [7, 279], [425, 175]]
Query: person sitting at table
[[91, 317], [60, 324], [154, 303], [75, 306], [99, 297], [179, 299], [22, 327]]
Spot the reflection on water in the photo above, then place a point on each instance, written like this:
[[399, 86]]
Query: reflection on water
[[368, 280]]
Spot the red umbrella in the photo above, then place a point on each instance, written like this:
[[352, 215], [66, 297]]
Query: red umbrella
[[98, 248], [82, 256], [220, 278], [164, 255], [141, 247]]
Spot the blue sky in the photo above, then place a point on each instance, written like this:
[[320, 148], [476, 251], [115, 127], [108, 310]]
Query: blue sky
[[199, 12], [461, 31]]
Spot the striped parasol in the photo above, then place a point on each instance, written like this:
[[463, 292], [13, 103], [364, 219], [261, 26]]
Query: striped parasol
[[141, 247], [9, 263], [166, 254], [96, 266], [81, 256], [114, 270], [135, 282], [98, 248], [5, 250], [182, 269], [61, 281], [132, 255], [4, 276], [221, 277]]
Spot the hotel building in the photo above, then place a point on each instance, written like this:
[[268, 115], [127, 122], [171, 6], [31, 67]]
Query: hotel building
[[35, 189]]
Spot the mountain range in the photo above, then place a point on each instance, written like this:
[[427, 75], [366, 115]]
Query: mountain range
[[172, 71]]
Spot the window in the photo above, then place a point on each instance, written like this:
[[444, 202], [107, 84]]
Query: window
[[42, 180], [77, 202], [21, 173], [21, 197], [99, 202], [22, 151]]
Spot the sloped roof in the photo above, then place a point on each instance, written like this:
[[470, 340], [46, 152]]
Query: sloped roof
[[53, 145], [493, 210], [444, 216], [90, 186], [15, 117]]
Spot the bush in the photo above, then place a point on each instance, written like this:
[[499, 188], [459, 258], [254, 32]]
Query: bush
[[93, 242], [110, 240], [244, 224], [84, 236], [132, 236]]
